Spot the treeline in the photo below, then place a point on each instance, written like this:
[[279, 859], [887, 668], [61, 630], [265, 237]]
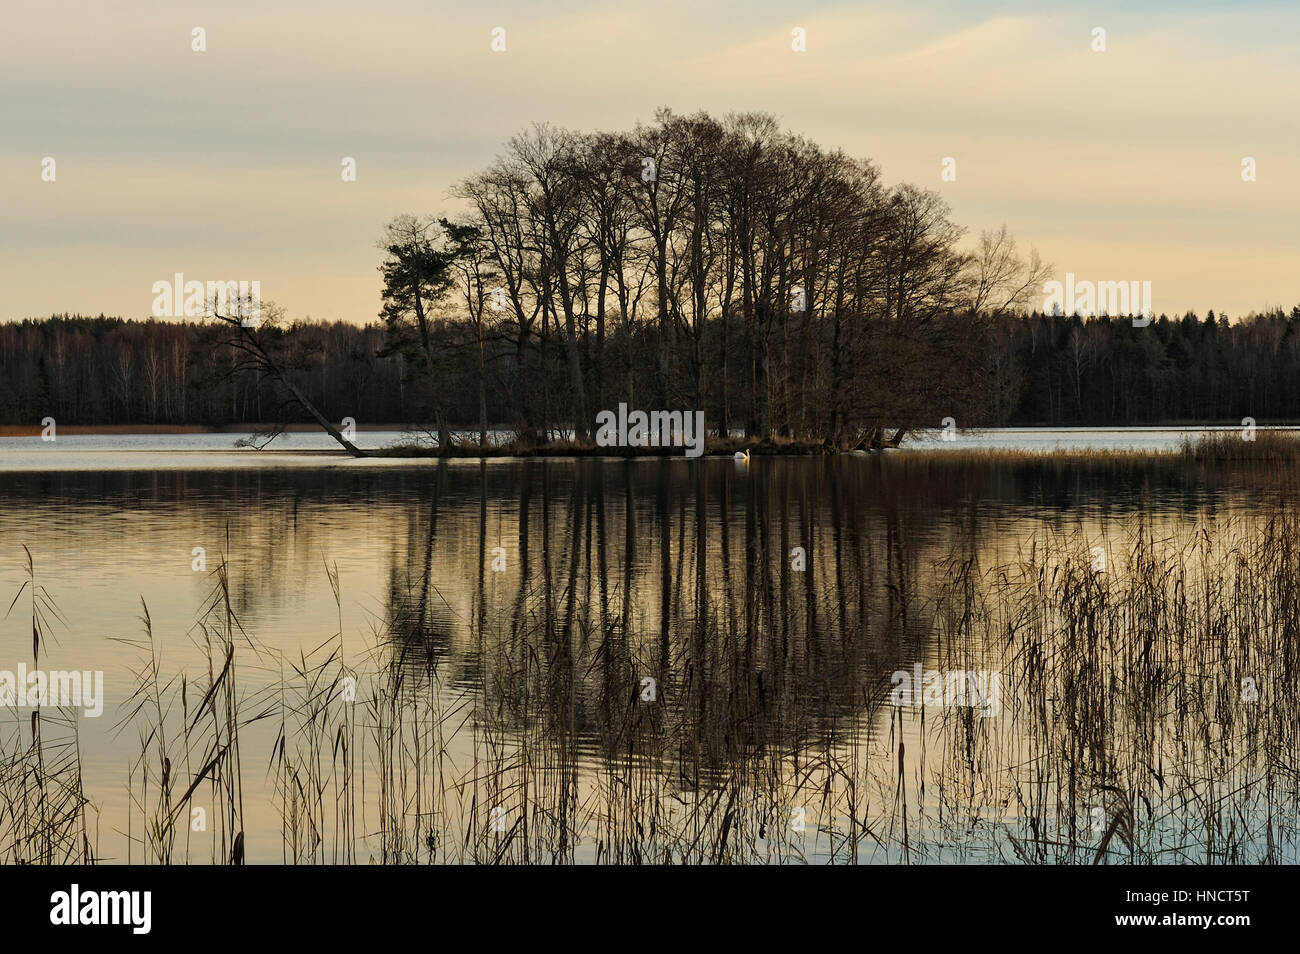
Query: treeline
[[1044, 369], [88, 371], [690, 263], [1103, 371]]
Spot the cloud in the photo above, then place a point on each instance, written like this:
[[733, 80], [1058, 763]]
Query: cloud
[[172, 160]]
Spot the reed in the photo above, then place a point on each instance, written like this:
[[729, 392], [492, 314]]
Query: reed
[[44, 811], [1239, 444]]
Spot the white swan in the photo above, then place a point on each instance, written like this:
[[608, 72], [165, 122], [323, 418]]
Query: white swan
[[742, 456]]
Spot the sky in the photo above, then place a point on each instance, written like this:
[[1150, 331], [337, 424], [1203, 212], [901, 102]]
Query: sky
[[1117, 165]]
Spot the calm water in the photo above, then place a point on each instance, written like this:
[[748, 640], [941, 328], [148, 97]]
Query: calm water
[[610, 660]]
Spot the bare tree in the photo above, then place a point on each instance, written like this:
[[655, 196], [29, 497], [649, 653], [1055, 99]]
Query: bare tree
[[1000, 280], [253, 343]]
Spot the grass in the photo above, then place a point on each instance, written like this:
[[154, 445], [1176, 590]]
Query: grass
[[1240, 444]]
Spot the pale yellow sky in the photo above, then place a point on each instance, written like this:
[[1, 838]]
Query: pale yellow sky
[[1118, 165]]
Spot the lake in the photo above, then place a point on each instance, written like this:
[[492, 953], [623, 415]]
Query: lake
[[316, 659]]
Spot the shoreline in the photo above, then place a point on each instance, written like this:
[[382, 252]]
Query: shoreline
[[34, 430], [1201, 444]]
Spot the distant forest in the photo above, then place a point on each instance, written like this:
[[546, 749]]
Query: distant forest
[[1046, 370], [689, 263]]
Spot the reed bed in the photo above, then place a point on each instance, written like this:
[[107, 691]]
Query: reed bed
[[1243, 444]]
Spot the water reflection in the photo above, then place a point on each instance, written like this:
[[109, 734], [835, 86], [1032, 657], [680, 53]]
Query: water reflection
[[688, 661]]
